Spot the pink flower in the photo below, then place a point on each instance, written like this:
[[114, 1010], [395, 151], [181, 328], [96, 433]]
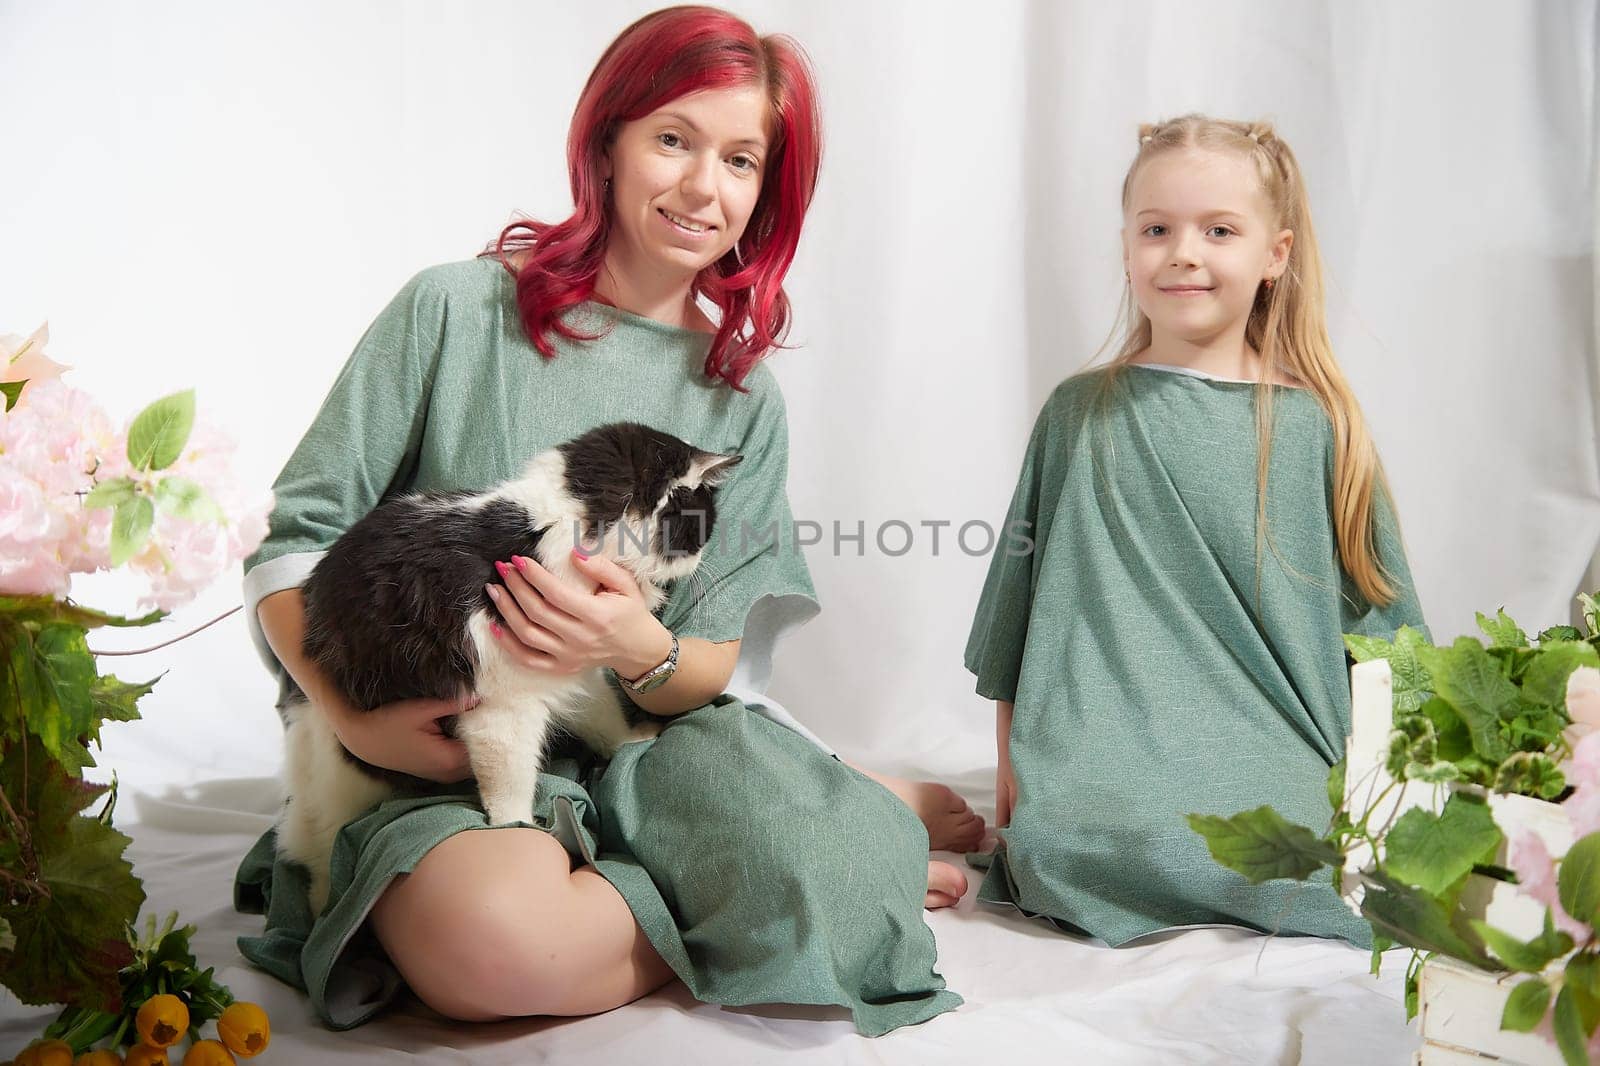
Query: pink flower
[[39, 508], [26, 515], [59, 445], [1536, 878], [184, 555], [1583, 703], [23, 359], [1547, 1029]]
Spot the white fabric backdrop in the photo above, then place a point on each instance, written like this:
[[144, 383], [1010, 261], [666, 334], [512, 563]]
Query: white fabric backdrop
[[220, 196]]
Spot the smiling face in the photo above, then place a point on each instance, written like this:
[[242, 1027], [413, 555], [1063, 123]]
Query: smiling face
[[1198, 239], [684, 182]]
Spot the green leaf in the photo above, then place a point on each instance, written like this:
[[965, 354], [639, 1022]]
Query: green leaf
[[1470, 680], [1545, 682], [186, 499], [1410, 680], [1533, 728], [1502, 631], [1414, 982], [1525, 1006], [1364, 649], [1262, 846], [56, 674], [159, 432], [116, 700], [12, 390], [1434, 773], [130, 528], [1530, 957], [1578, 882], [1380, 944], [72, 943], [1591, 613], [1476, 770], [111, 493], [1569, 1030], [1559, 633], [1530, 774], [50, 609], [1582, 972], [1413, 741], [1419, 921], [42, 791], [1453, 741], [1514, 662], [1336, 785], [1433, 851]]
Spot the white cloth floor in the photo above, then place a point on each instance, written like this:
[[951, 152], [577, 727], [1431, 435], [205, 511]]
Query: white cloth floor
[[1033, 995]]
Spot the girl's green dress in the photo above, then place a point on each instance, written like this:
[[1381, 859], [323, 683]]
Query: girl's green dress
[[761, 868], [1160, 661]]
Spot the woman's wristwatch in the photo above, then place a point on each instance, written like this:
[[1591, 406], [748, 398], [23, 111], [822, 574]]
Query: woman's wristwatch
[[656, 677]]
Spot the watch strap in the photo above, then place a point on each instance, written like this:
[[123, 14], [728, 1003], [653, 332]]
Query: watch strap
[[656, 676]]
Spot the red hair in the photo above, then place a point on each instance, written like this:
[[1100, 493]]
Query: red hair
[[665, 55]]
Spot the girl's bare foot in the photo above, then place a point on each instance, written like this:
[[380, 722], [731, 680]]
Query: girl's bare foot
[[946, 886], [952, 824]]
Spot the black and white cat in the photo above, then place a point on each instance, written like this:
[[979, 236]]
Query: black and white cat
[[397, 610]]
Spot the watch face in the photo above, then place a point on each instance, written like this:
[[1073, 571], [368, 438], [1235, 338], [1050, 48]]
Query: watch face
[[660, 676]]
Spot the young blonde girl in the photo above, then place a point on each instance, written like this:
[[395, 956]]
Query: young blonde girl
[[1207, 515]]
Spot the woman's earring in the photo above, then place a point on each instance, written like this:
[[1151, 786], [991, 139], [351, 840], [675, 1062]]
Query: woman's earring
[[1268, 283], [1127, 277]]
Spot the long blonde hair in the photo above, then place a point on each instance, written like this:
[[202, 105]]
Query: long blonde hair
[[1287, 326]]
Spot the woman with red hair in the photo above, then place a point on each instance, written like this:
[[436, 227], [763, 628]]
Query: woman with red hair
[[725, 851]]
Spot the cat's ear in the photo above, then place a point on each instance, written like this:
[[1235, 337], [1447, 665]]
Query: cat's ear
[[712, 469]]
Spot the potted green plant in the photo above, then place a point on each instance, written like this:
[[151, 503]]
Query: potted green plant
[[1466, 827]]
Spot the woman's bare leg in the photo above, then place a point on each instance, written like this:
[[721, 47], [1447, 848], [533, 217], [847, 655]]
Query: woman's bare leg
[[495, 924], [951, 822]]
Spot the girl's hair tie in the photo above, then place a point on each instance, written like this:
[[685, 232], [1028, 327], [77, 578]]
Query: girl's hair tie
[[1146, 139]]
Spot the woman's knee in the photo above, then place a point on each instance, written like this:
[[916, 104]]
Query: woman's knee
[[478, 928]]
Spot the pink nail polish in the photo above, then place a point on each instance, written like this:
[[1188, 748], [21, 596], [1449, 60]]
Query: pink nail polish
[[494, 627], [502, 567], [579, 552], [522, 564]]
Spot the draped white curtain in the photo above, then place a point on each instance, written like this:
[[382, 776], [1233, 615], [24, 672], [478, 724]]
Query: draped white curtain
[[221, 196]]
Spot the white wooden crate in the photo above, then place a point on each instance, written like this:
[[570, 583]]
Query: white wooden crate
[[1460, 1008], [1460, 1005]]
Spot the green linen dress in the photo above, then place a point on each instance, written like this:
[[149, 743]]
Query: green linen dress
[[762, 869], [1154, 669]]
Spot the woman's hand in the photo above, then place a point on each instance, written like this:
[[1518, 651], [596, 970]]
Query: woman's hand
[[407, 736], [1005, 780], [552, 625]]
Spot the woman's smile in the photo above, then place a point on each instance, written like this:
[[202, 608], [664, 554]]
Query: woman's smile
[[685, 225]]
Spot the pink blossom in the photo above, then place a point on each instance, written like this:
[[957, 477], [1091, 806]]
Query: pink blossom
[[23, 359], [34, 575], [42, 471], [26, 514], [1547, 1029], [1583, 703], [57, 447], [1536, 878], [1583, 769], [184, 556]]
